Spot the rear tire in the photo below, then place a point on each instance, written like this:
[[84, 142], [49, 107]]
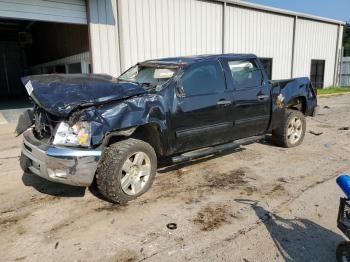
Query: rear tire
[[343, 252], [126, 170], [24, 162], [292, 129]]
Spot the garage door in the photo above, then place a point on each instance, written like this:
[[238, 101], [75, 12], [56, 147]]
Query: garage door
[[65, 11]]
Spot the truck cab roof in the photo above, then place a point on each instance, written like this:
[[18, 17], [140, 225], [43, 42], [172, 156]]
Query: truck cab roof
[[187, 60]]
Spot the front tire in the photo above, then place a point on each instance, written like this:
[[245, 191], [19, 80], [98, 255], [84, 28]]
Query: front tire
[[343, 252], [126, 170], [292, 129]]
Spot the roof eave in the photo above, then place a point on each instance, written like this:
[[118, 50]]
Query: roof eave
[[282, 11]]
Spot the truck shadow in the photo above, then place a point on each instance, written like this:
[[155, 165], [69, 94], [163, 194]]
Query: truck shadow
[[165, 165], [55, 189], [297, 239], [269, 141]]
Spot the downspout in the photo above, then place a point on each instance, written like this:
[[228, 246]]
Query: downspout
[[89, 34], [336, 65], [120, 34], [293, 46], [339, 79], [224, 27]]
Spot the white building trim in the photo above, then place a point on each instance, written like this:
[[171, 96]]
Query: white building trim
[[64, 11]]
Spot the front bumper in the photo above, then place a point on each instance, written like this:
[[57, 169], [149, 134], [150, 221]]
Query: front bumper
[[60, 164]]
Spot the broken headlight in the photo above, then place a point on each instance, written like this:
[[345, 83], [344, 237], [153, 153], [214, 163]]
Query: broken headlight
[[77, 135]]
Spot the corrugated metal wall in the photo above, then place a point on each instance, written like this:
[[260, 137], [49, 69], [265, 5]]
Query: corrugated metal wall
[[147, 29], [104, 38], [66, 11], [315, 40], [161, 28], [264, 34]]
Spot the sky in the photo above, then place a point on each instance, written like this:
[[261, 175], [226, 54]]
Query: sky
[[335, 9]]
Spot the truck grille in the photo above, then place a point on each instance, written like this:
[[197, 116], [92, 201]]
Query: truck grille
[[43, 126]]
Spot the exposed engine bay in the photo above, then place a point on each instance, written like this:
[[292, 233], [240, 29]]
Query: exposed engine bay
[[44, 124]]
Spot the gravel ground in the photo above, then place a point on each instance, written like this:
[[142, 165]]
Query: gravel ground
[[261, 203]]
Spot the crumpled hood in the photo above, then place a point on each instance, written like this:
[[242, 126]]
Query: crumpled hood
[[62, 94]]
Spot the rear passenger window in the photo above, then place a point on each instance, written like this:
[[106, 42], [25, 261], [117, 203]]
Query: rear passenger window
[[203, 78], [245, 74]]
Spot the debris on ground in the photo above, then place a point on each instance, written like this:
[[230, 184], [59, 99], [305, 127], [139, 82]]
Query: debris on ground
[[345, 128], [20, 258], [327, 146], [282, 179], [315, 133], [56, 245], [213, 217], [326, 107], [171, 226]]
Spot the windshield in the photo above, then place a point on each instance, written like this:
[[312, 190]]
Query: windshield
[[152, 76]]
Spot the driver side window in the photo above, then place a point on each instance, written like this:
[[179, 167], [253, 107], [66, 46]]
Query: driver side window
[[204, 78]]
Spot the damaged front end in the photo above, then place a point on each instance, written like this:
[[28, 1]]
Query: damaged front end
[[71, 166], [56, 143], [53, 130], [44, 124], [52, 160], [59, 99], [72, 115]]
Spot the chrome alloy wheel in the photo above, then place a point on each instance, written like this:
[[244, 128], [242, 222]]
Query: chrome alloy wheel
[[136, 171], [295, 130]]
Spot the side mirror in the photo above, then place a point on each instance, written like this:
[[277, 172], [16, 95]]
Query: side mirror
[[180, 92]]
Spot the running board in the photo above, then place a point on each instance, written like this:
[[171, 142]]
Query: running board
[[215, 149]]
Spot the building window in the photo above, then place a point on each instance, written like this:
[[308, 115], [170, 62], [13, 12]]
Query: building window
[[267, 63], [317, 73]]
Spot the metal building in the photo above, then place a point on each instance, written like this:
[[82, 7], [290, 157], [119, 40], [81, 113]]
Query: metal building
[[108, 36]]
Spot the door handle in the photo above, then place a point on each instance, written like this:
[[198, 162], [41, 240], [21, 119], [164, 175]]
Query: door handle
[[263, 97], [224, 103]]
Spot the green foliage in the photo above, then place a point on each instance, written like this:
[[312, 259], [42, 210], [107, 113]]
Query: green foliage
[[346, 39]]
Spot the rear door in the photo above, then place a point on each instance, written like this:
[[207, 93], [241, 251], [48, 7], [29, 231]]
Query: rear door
[[251, 99], [201, 107]]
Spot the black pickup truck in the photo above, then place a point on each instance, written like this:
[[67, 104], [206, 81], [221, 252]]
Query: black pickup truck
[[86, 128]]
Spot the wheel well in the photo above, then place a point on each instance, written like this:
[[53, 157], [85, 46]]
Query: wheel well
[[149, 133], [298, 103]]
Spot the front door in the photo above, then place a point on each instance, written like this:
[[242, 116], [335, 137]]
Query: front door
[[201, 107], [251, 99]]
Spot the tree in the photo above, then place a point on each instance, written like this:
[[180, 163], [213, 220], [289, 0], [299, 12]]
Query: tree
[[346, 39]]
